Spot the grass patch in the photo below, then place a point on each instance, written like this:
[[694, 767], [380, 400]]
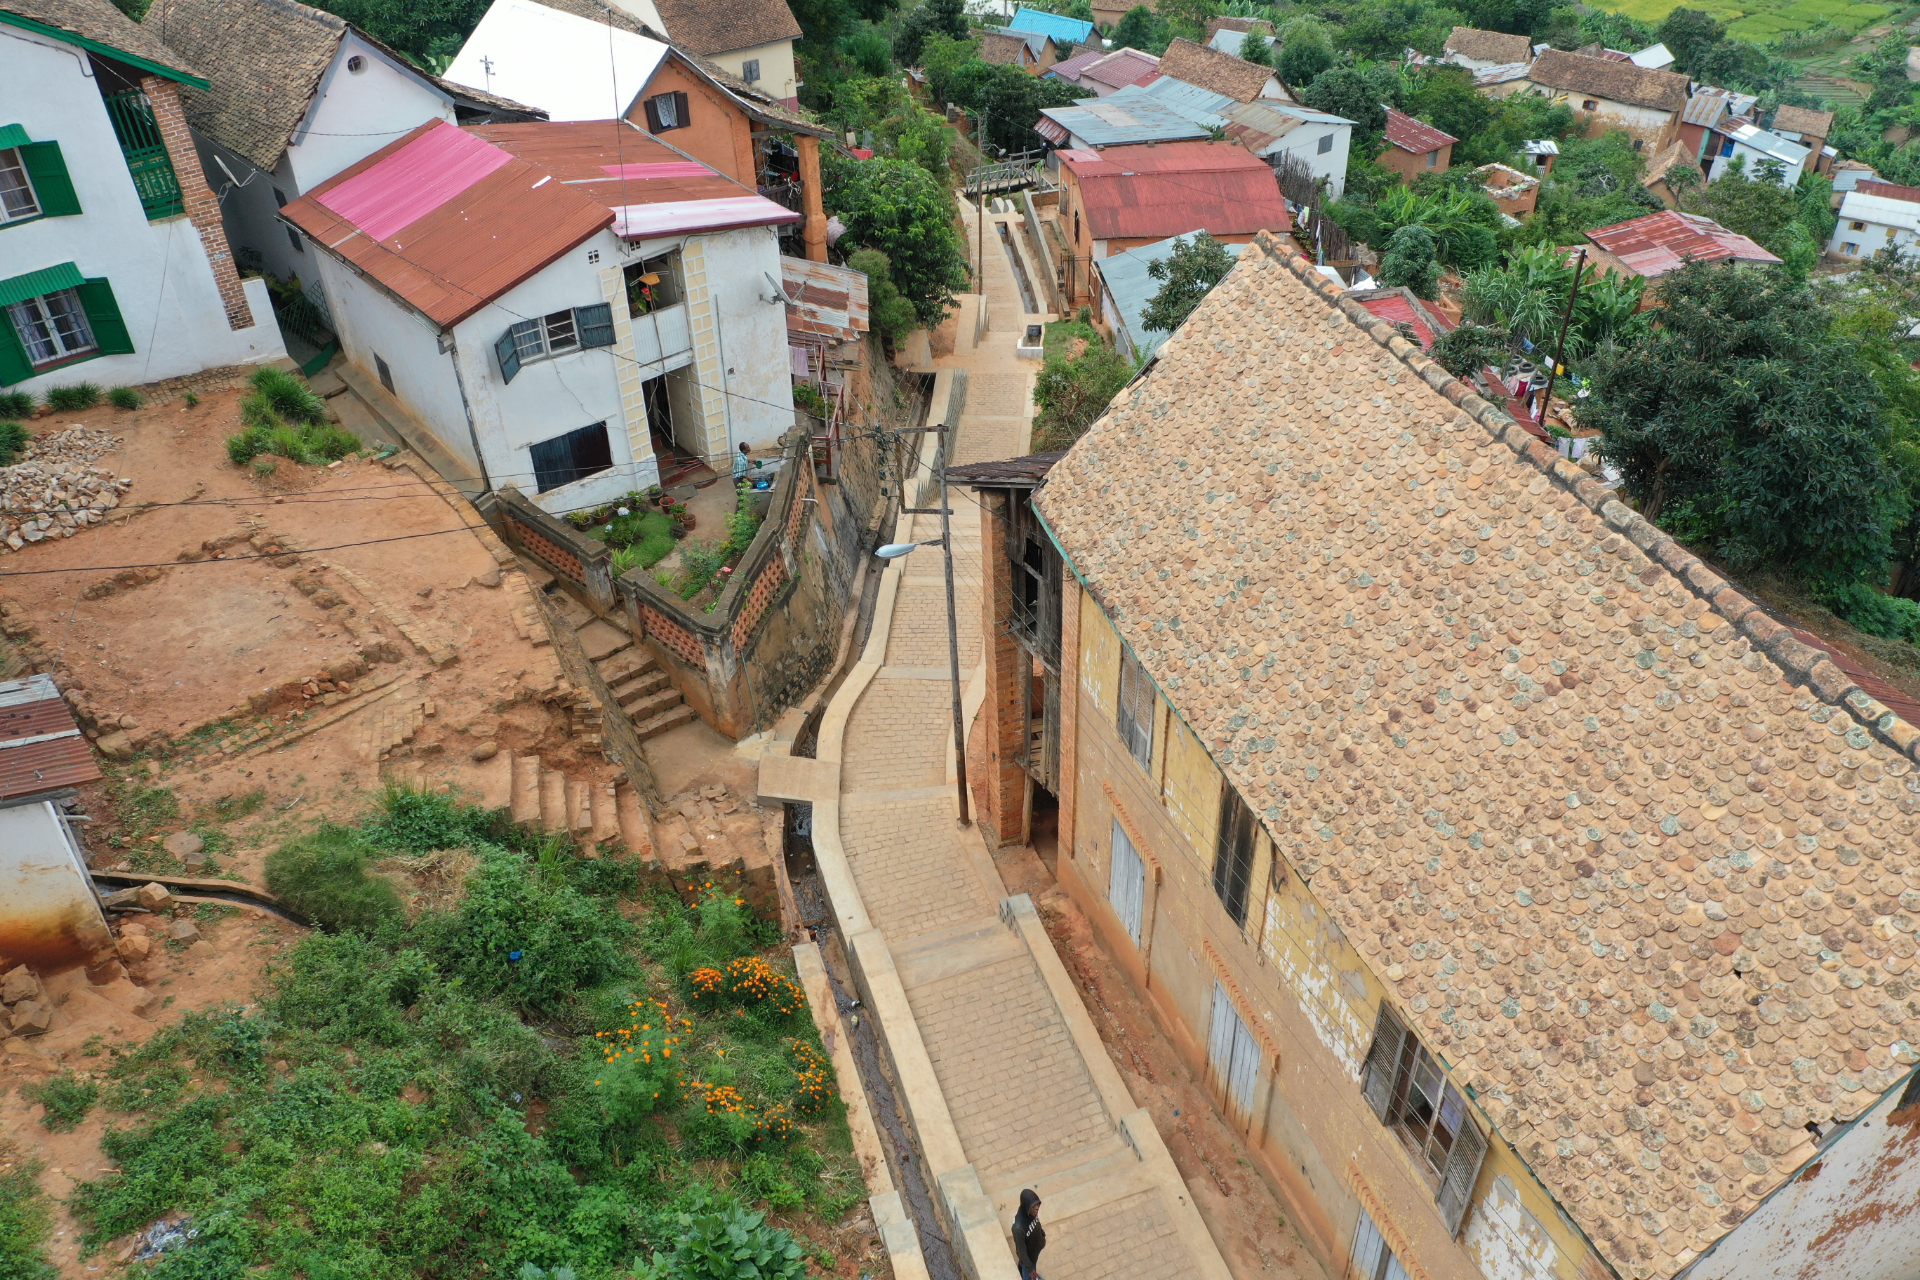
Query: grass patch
[[1060, 336], [285, 418], [67, 1099], [26, 1219], [124, 398], [74, 397], [14, 439], [15, 404], [461, 1095]]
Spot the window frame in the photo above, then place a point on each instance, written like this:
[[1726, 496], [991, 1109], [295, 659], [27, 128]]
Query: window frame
[[50, 323], [1137, 708], [750, 70], [530, 341], [676, 100], [8, 219], [1236, 847], [1394, 1062], [550, 477], [1127, 883], [1325, 145], [671, 283]]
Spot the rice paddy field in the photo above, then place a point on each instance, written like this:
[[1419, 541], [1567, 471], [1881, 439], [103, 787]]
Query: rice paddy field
[[1761, 21]]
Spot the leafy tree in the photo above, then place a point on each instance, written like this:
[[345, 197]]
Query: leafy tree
[[892, 316], [1187, 18], [942, 57], [1353, 94], [1595, 183], [1688, 33], [1527, 296], [1072, 391], [1744, 416], [1305, 52], [1751, 206], [913, 134], [1409, 262], [1460, 217], [868, 50], [895, 206], [1257, 49], [1445, 99], [941, 17], [429, 32], [1011, 99], [1471, 347], [1140, 28], [1194, 267]]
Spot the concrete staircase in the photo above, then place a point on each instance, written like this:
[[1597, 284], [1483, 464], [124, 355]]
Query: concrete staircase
[[639, 685], [589, 812]]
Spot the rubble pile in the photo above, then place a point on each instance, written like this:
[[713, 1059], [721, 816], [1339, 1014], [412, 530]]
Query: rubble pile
[[55, 491]]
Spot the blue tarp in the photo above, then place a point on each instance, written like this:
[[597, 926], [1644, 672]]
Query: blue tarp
[[1063, 30]]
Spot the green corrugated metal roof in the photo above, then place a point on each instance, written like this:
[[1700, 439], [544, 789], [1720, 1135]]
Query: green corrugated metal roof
[[13, 135], [35, 283]]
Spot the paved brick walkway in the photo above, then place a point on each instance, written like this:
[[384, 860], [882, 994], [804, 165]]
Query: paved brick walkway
[[1023, 1099]]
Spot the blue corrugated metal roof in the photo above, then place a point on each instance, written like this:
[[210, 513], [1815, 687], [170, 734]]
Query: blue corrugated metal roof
[[1182, 96], [1132, 287], [1053, 24], [1110, 122]]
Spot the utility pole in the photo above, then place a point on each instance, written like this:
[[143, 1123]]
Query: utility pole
[[1561, 346], [953, 636]]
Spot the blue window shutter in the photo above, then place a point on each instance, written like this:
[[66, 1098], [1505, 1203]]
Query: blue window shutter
[[594, 324], [508, 355], [47, 170], [103, 316]]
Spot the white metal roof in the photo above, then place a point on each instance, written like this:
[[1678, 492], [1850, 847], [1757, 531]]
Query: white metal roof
[[1857, 206], [569, 67], [1772, 144], [1655, 57]]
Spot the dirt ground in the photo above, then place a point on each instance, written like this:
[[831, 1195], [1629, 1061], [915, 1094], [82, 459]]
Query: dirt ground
[[1245, 1218]]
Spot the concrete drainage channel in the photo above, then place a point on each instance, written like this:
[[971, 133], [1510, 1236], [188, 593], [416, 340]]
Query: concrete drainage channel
[[1019, 270], [909, 1171]]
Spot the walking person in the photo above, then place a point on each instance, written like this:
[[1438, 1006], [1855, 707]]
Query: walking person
[[1029, 1237]]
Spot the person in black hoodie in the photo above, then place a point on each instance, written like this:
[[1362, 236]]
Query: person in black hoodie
[[1029, 1237]]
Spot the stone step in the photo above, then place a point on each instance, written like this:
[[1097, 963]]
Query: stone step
[[576, 614], [633, 822], [553, 800], [640, 686], [539, 577], [526, 789], [625, 665], [606, 812], [579, 806], [651, 705], [496, 780], [1069, 1176], [601, 640], [672, 719]]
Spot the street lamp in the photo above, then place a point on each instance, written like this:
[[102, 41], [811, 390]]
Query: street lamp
[[893, 551]]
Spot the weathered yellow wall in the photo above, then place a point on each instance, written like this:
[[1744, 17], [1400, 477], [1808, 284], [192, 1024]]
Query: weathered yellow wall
[[1300, 984]]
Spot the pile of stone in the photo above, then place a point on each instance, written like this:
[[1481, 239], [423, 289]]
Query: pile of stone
[[55, 491]]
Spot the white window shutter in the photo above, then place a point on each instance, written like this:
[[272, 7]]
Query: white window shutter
[[1463, 1170]]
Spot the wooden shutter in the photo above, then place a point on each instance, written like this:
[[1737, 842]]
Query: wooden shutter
[[1220, 1034], [103, 317], [653, 114], [1127, 883], [14, 365], [1383, 1061], [1233, 853], [1462, 1171], [507, 352], [594, 324], [47, 170], [680, 120]]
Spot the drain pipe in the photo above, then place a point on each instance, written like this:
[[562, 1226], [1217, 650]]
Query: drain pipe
[[452, 348]]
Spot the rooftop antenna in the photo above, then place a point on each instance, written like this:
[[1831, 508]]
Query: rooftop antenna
[[486, 65]]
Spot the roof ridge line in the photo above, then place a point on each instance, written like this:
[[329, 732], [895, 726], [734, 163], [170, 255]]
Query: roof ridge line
[[1799, 660]]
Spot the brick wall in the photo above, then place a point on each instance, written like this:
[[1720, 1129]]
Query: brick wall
[[1002, 724], [202, 209]]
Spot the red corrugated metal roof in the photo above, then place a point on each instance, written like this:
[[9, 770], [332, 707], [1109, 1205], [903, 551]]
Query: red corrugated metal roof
[[1416, 136], [41, 748], [1071, 68], [1661, 242], [1051, 130], [1888, 190], [826, 300], [1133, 193], [1123, 67], [1901, 704], [449, 218], [1395, 307]]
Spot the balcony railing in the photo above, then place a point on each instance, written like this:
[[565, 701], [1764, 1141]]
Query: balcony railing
[[146, 153]]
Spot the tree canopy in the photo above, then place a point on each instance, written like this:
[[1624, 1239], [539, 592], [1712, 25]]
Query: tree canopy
[[1194, 267], [897, 207]]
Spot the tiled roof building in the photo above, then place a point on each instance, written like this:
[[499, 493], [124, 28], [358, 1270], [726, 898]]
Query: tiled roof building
[[1635, 866]]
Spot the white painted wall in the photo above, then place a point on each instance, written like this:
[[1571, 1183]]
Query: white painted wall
[[1855, 1213], [161, 277], [1304, 142], [778, 75], [1722, 163], [354, 115]]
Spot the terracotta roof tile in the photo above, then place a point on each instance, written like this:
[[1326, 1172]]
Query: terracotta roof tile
[[1803, 120], [1614, 81], [1211, 69], [1000, 48], [708, 28], [1496, 47], [104, 24], [1417, 136], [1641, 868]]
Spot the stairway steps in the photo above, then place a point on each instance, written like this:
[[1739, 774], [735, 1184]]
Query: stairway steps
[[579, 806], [625, 665], [671, 719], [606, 812], [525, 804], [640, 686], [632, 822], [645, 708], [601, 640], [553, 800]]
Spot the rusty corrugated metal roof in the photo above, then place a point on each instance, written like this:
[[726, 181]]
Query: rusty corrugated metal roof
[[1415, 136], [1661, 242], [41, 747], [1150, 193], [827, 300]]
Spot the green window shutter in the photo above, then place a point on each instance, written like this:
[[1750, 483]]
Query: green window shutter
[[47, 170], [14, 366], [103, 314]]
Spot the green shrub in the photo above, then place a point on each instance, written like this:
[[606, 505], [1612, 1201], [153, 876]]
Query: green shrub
[[15, 404], [267, 432], [288, 396], [701, 559], [190, 399], [124, 398], [1875, 612], [724, 1242], [25, 1221], [244, 447], [14, 440], [67, 1099], [79, 395], [742, 523], [323, 876], [425, 821]]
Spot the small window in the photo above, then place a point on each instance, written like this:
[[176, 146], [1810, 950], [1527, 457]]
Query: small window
[[554, 335], [1433, 159], [1637, 144], [17, 200], [1137, 707], [52, 327], [653, 284], [1076, 226], [750, 70], [1406, 1088], [666, 111], [1326, 143], [279, 198], [573, 456], [1233, 854], [293, 238], [1372, 1260], [356, 64], [386, 374], [593, 255], [1589, 105], [1851, 248], [1857, 226]]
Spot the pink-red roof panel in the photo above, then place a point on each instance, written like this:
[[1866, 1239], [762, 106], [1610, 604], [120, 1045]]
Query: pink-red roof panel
[[414, 180]]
